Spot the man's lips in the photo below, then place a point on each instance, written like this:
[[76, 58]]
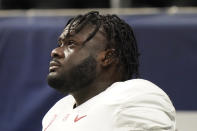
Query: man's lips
[[54, 65]]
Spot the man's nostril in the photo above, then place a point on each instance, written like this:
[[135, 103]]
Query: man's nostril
[[57, 53]]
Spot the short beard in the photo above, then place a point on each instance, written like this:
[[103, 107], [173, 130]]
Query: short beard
[[78, 77]]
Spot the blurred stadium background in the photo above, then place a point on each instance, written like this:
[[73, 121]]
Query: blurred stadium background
[[165, 31]]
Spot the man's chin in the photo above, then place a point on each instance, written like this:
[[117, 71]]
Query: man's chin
[[55, 82], [52, 74]]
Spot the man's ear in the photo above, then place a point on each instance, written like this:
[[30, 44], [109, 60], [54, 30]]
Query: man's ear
[[108, 57]]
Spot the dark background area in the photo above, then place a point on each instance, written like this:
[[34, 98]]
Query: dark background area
[[54, 4]]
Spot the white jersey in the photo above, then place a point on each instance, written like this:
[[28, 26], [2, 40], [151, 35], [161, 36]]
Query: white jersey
[[133, 105]]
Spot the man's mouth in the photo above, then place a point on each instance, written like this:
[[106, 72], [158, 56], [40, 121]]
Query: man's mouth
[[53, 66]]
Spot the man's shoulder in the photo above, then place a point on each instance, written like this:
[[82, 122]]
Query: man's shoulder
[[134, 87], [136, 91], [141, 104]]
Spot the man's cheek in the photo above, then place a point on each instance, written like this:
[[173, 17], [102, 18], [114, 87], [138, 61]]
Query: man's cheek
[[68, 52]]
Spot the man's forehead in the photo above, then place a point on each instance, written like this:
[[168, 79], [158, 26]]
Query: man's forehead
[[72, 27], [67, 31], [64, 34], [71, 31]]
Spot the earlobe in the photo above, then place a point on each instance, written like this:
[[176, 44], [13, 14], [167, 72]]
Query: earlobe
[[105, 63], [108, 57]]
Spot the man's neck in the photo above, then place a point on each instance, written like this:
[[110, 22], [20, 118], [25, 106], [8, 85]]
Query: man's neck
[[101, 83], [88, 92]]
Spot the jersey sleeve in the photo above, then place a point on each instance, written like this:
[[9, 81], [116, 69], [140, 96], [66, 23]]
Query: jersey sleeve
[[147, 108]]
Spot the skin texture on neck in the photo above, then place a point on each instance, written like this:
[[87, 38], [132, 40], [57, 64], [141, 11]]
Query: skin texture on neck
[[101, 83]]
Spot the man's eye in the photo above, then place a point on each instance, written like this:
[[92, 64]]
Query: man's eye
[[71, 42], [59, 44]]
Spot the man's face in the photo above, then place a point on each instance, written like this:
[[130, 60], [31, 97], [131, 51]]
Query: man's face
[[74, 64]]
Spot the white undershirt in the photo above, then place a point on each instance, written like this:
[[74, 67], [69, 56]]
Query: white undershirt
[[133, 105]]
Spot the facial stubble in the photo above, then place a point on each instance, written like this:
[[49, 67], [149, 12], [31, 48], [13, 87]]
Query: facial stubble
[[77, 78]]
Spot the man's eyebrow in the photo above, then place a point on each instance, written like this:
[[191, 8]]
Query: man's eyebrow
[[60, 40], [62, 37]]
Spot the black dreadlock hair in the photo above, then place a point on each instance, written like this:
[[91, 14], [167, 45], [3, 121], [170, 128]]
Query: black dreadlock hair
[[119, 34]]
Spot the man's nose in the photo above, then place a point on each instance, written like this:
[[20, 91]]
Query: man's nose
[[57, 53]]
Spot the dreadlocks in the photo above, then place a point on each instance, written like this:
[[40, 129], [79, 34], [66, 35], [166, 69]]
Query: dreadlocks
[[119, 34]]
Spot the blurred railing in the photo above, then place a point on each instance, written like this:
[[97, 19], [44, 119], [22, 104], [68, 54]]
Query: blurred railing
[[119, 11]]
